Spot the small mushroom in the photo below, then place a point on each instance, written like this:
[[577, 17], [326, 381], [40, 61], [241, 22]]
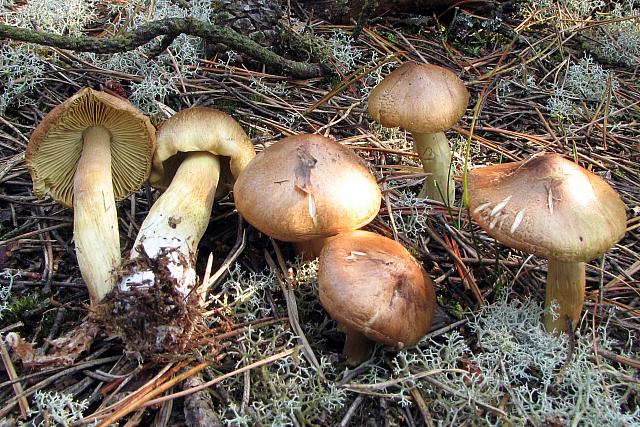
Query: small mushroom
[[376, 291], [306, 187], [90, 151], [195, 146], [426, 100], [550, 207]]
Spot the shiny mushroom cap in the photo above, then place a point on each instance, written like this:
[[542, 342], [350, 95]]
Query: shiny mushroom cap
[[199, 129], [421, 98], [547, 206], [304, 187], [373, 285], [56, 144]]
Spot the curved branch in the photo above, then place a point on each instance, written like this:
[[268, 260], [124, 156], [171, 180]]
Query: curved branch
[[170, 27]]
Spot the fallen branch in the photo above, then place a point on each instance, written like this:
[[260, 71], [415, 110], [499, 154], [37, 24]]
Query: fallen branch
[[170, 28]]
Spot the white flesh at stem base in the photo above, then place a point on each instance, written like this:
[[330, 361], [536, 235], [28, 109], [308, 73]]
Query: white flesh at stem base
[[176, 222], [95, 221]]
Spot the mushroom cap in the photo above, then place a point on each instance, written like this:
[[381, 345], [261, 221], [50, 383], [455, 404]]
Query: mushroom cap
[[56, 144], [547, 206], [372, 284], [421, 98], [304, 187], [199, 129]]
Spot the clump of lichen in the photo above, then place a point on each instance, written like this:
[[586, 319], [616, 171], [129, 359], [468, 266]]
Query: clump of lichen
[[608, 30], [51, 408], [512, 360], [22, 66], [291, 391]]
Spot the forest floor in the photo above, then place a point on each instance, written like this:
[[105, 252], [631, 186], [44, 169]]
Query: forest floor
[[543, 77]]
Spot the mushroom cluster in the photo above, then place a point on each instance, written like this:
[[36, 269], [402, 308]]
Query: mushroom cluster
[[315, 192], [95, 149]]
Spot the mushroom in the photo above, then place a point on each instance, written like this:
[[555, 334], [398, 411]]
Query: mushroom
[[376, 291], [90, 151], [304, 188], [425, 100], [550, 207], [157, 299]]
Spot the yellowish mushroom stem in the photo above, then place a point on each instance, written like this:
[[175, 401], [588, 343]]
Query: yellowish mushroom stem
[[95, 221], [435, 154], [178, 219], [357, 347], [565, 284]]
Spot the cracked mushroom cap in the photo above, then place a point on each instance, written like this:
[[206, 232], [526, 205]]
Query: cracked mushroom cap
[[56, 144], [421, 98], [372, 284], [199, 129], [547, 206], [304, 187]]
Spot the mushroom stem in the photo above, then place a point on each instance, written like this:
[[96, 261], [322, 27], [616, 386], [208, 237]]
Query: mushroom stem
[[309, 250], [177, 220], [435, 154], [565, 284], [95, 222], [357, 347]]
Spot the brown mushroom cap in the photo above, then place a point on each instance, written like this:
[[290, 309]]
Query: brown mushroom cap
[[373, 285], [199, 129], [547, 206], [421, 98], [56, 144], [304, 187]]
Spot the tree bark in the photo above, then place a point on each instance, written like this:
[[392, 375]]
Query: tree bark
[[257, 19]]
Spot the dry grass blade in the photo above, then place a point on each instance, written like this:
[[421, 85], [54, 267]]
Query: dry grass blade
[[138, 402], [292, 308], [13, 376], [265, 361]]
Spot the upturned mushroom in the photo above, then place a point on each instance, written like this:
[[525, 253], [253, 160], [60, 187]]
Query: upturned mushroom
[[425, 100], [376, 291], [90, 151], [304, 188], [550, 207], [158, 301]]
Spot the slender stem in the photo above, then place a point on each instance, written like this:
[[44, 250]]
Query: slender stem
[[435, 154], [95, 222], [357, 347], [565, 284], [178, 219]]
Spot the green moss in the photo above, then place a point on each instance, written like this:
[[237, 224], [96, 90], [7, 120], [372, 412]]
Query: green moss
[[20, 309], [18, 306], [390, 36], [255, 97], [452, 307]]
